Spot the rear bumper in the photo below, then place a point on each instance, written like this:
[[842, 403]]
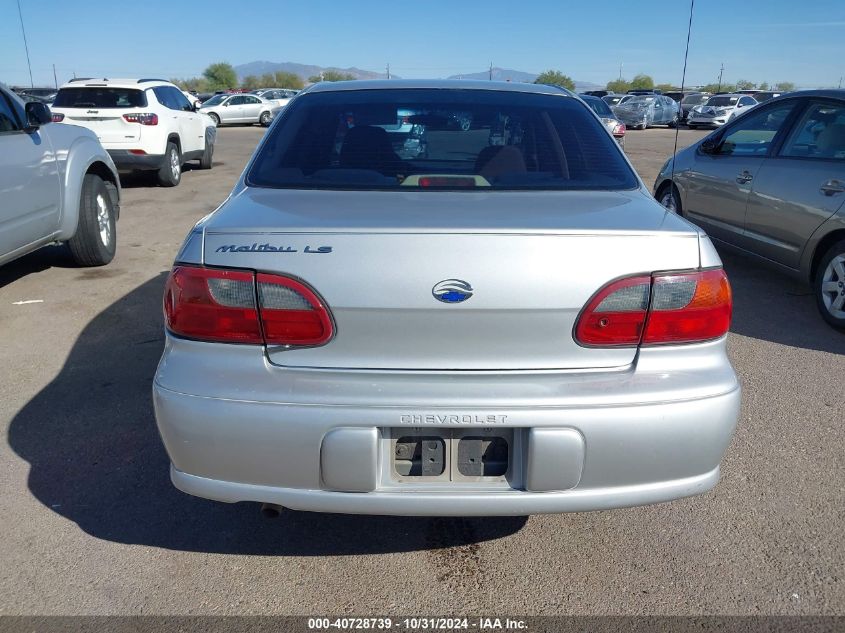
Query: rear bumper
[[650, 433], [516, 503], [124, 160]]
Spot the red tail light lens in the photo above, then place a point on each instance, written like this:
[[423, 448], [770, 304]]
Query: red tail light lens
[[660, 309], [689, 307], [619, 130], [227, 306], [144, 118], [58, 117], [291, 313]]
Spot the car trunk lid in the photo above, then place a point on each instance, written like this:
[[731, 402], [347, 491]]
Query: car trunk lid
[[529, 261]]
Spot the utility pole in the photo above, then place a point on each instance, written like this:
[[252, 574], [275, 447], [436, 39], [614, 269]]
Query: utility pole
[[840, 81], [490, 75], [25, 46], [55, 81], [620, 71], [721, 70], [388, 70]]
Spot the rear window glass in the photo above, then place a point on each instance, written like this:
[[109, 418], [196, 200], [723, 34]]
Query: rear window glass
[[439, 139], [722, 102], [599, 107], [91, 97]]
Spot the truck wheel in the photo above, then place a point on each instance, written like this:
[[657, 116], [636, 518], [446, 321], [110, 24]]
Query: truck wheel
[[207, 156], [829, 285], [95, 240], [170, 172]]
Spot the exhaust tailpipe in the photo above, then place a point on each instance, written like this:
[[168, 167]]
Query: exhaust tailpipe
[[271, 510]]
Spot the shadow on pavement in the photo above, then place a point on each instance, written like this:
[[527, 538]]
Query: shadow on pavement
[[55, 256], [771, 306], [95, 458]]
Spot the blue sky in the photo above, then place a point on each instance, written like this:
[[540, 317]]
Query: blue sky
[[758, 40]]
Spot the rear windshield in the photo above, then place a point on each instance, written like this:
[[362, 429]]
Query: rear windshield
[[722, 102], [695, 99], [599, 107], [439, 139], [90, 97]]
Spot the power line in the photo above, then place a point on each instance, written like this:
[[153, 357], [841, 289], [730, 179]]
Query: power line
[[25, 46]]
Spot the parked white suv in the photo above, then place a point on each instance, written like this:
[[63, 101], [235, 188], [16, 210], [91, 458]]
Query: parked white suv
[[144, 124]]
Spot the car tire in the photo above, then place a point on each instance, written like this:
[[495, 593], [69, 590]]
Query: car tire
[[215, 118], [95, 240], [670, 198], [829, 286], [170, 172], [207, 156], [673, 123], [264, 119]]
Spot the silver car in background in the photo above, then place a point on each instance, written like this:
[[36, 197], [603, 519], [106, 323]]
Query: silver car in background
[[644, 111], [244, 109], [608, 118], [772, 184], [720, 109], [508, 324]]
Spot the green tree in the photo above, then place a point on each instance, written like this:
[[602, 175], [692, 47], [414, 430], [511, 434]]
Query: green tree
[[666, 87], [785, 86], [251, 82], [284, 79], [618, 85], [714, 88], [764, 85], [555, 78], [197, 84], [268, 80], [331, 75], [642, 82], [744, 84], [221, 76]]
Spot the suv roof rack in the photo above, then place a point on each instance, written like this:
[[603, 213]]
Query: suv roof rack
[[140, 81], [75, 79]]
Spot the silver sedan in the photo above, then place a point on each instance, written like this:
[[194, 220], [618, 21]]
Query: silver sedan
[[240, 109], [771, 183], [486, 328]]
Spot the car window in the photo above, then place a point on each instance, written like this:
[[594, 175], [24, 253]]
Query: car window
[[179, 100], [236, 101], [600, 107], [8, 120], [746, 101], [755, 132], [100, 98], [440, 139], [819, 134], [164, 97], [252, 100]]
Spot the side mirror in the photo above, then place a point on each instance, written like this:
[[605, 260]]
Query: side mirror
[[37, 114], [709, 146], [226, 105]]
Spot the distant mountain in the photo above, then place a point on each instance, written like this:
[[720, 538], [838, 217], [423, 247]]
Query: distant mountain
[[507, 74], [303, 70]]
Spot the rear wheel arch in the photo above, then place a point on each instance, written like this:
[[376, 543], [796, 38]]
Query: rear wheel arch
[[174, 138], [821, 249], [664, 187]]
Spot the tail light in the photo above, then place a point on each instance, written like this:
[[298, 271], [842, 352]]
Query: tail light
[[685, 307], [619, 130], [144, 118], [58, 117], [236, 306]]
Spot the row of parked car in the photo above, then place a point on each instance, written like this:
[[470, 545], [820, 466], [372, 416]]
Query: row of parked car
[[61, 183]]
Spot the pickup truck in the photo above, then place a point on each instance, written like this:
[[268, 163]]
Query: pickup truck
[[57, 184]]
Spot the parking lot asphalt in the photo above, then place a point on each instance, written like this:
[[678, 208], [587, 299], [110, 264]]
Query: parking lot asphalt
[[92, 525]]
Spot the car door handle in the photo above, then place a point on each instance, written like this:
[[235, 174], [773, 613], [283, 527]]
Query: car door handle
[[832, 187], [744, 177]]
